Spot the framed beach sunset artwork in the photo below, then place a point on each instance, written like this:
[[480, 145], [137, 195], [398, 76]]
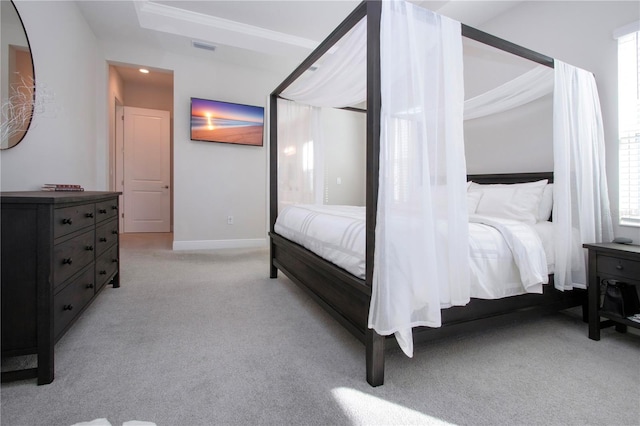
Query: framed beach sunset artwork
[[226, 122]]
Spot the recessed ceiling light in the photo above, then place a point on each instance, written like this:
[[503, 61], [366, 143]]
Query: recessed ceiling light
[[144, 71]]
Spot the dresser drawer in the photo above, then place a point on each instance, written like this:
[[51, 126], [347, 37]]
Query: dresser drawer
[[106, 236], [70, 219], [106, 210], [70, 301], [71, 256], [622, 268], [106, 266]]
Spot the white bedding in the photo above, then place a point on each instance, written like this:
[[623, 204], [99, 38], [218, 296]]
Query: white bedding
[[337, 234]]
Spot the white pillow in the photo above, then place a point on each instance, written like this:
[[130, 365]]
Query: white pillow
[[546, 204], [473, 199], [518, 201]]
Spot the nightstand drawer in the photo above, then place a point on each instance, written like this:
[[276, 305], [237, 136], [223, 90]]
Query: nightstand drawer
[[623, 268]]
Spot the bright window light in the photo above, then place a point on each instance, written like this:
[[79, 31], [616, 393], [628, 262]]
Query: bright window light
[[307, 157], [629, 127], [360, 408]]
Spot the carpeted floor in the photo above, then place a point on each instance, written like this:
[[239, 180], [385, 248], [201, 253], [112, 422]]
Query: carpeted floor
[[206, 338]]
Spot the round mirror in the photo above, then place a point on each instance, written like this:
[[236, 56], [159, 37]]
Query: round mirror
[[17, 84]]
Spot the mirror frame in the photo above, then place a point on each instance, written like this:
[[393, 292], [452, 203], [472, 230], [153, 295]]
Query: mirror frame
[[33, 74]]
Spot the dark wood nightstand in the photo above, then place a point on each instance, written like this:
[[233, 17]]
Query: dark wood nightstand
[[610, 261]]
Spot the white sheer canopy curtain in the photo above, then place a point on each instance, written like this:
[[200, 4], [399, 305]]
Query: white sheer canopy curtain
[[337, 82], [340, 80], [521, 90], [580, 197], [422, 246], [300, 154]]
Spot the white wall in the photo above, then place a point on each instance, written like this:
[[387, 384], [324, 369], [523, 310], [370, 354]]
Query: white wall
[[61, 144], [115, 91], [578, 33], [345, 134], [518, 140], [212, 180], [69, 141], [149, 96]]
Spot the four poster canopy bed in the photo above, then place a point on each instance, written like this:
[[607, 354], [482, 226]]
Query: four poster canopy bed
[[434, 251]]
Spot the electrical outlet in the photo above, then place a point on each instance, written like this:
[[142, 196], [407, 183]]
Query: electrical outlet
[[229, 220]]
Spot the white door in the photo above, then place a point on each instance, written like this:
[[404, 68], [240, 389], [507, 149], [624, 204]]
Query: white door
[[147, 170]]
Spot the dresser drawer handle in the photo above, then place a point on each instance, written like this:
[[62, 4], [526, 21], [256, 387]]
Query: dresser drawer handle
[[103, 239], [67, 221], [114, 207], [619, 267], [88, 215], [102, 273], [114, 260], [67, 308], [89, 248], [90, 285], [67, 261], [114, 232]]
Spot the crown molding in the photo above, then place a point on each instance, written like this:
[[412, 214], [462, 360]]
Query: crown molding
[[173, 20]]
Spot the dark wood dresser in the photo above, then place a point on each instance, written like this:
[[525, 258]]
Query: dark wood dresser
[[59, 249]]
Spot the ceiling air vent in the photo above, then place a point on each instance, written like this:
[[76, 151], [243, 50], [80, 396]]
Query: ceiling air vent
[[203, 45]]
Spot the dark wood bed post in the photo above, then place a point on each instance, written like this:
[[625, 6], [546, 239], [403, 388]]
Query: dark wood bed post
[[373, 341], [273, 176]]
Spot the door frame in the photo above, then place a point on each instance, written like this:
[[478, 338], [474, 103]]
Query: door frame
[[116, 142], [118, 155]]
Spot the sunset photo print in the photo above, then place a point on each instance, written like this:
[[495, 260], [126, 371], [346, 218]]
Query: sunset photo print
[[217, 121]]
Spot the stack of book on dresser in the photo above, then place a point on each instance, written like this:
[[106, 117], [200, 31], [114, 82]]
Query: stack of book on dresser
[[62, 187]]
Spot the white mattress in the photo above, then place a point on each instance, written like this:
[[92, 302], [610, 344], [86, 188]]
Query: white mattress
[[337, 234]]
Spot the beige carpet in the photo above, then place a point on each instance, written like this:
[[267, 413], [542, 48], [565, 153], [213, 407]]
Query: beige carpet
[[206, 338]]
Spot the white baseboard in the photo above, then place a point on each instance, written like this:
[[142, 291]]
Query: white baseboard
[[219, 244]]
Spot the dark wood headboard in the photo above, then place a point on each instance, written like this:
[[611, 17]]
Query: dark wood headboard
[[511, 177]]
